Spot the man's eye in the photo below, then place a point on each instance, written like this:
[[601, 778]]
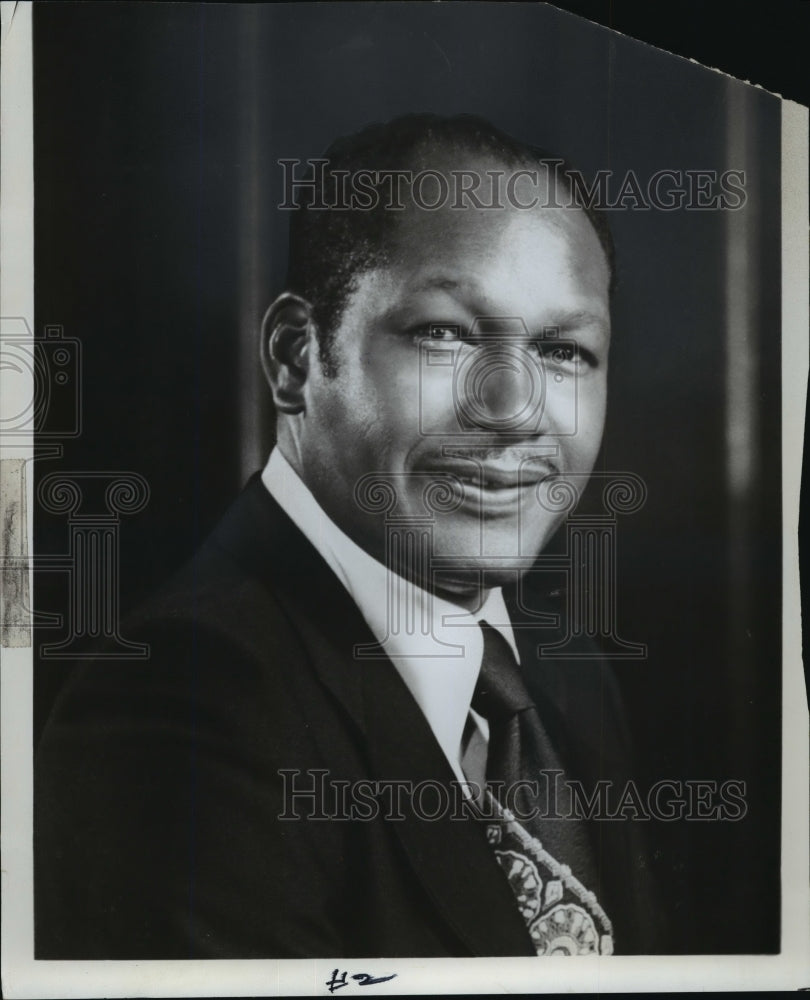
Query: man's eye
[[446, 331], [566, 357], [449, 333]]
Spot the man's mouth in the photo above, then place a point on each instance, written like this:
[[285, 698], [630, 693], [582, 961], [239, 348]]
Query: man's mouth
[[492, 481]]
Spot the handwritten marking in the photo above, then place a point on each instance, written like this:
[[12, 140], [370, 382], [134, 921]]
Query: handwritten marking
[[339, 979]]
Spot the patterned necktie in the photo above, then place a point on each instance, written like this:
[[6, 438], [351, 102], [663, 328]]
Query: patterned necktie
[[544, 853]]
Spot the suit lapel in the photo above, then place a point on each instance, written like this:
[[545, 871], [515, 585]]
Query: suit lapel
[[450, 856], [265, 541]]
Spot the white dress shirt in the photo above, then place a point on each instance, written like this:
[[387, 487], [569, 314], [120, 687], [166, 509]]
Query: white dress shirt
[[440, 668]]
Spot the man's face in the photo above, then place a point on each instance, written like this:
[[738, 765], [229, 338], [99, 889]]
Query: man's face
[[420, 396]]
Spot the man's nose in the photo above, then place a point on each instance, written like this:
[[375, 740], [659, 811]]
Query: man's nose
[[501, 388]]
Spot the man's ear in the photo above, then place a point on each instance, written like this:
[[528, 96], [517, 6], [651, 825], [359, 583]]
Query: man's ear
[[286, 332]]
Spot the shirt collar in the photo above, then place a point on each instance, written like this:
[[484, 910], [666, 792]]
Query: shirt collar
[[435, 645]]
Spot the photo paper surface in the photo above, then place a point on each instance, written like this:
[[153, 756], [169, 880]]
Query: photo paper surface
[[401, 434]]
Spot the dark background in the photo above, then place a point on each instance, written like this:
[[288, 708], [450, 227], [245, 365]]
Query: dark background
[[157, 130], [748, 39]]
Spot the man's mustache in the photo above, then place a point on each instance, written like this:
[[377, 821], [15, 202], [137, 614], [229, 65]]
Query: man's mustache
[[514, 458]]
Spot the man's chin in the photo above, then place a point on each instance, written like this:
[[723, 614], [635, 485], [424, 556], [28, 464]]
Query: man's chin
[[465, 559], [491, 546]]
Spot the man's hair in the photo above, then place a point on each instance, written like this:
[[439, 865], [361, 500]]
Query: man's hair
[[330, 248]]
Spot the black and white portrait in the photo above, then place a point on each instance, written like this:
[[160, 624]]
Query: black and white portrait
[[412, 565]]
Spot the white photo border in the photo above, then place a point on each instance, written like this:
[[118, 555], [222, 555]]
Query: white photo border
[[23, 976]]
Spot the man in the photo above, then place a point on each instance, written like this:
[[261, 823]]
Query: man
[[342, 644]]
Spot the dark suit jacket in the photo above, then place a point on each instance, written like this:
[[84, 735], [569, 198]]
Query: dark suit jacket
[[158, 789]]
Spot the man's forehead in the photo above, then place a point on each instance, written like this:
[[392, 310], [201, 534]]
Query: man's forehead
[[443, 248], [402, 295]]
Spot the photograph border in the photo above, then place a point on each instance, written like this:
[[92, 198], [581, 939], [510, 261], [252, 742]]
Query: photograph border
[[23, 977]]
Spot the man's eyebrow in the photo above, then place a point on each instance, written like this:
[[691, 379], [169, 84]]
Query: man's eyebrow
[[443, 281], [564, 321], [578, 318]]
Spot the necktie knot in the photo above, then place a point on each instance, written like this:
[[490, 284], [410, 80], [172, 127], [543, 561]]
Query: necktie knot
[[500, 692]]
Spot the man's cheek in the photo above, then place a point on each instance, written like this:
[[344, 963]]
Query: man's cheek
[[584, 443]]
